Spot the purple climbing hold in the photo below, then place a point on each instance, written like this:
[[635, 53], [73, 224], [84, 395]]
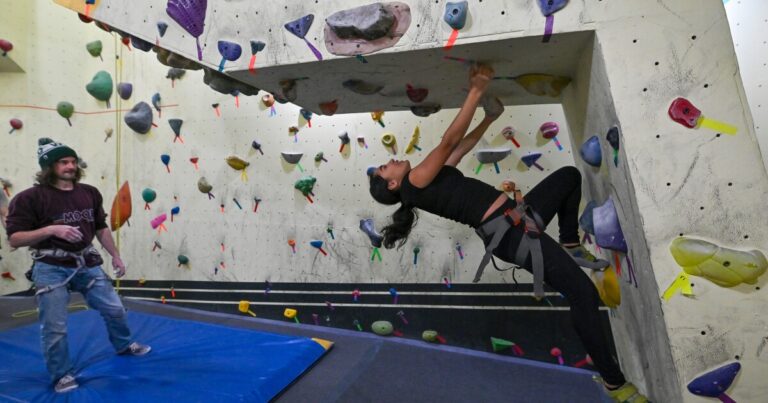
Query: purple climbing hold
[[586, 220], [190, 14], [549, 7], [139, 118], [531, 160], [300, 27], [608, 232], [124, 90], [456, 14], [230, 50], [716, 382]]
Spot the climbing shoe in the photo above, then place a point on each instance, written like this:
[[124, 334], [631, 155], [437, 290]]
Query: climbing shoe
[[627, 393], [585, 259]]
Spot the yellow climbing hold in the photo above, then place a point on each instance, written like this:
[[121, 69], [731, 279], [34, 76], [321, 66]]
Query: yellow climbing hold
[[722, 266], [543, 84], [608, 286], [414, 143], [238, 164]]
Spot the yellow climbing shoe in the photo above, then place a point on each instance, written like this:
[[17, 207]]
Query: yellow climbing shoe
[[628, 393]]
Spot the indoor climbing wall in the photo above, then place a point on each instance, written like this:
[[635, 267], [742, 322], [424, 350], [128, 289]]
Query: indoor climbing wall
[[748, 20], [673, 171]]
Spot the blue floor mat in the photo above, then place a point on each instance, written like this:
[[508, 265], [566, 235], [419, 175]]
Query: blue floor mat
[[189, 362]]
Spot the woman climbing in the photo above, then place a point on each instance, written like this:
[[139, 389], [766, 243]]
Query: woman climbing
[[511, 229]]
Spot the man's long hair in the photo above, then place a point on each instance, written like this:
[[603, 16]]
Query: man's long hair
[[47, 176]]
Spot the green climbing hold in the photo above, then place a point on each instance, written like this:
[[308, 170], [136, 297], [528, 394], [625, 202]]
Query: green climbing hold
[[94, 48], [101, 86], [500, 344], [182, 260], [305, 185], [148, 195], [429, 336], [382, 327], [66, 110]]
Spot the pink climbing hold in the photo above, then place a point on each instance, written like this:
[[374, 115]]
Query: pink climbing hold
[[16, 124]]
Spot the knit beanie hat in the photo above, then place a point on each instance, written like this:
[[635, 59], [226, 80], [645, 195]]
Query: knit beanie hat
[[49, 151]]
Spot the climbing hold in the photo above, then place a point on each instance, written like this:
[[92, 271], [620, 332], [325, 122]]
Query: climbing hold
[[607, 284], [682, 111], [156, 103], [288, 90], [16, 124], [175, 211], [238, 164], [170, 59], [291, 314], [148, 195], [161, 28], [608, 232], [549, 131], [344, 137], [176, 127], [491, 156], [531, 160], [543, 84], [108, 132], [548, 8], [329, 108], [722, 266], [390, 141], [124, 90], [121, 207], [293, 158], [416, 95], [320, 157], [382, 327], [362, 87], [414, 143], [158, 223], [183, 260], [228, 51], [139, 118], [585, 221], [190, 14], [100, 86], [166, 160], [95, 48], [591, 152], [366, 29], [175, 74], [319, 246], [455, 16], [613, 140], [141, 44], [716, 382], [425, 110], [65, 110], [245, 307], [256, 47], [509, 133], [367, 226], [257, 146], [305, 186], [300, 27], [204, 187], [501, 344], [5, 46], [307, 115]]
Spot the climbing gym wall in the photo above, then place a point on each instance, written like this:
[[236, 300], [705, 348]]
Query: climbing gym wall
[[748, 20], [673, 189]]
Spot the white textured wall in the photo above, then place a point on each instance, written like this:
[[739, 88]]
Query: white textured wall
[[749, 27]]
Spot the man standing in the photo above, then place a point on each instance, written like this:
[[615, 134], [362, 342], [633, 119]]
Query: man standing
[[58, 218]]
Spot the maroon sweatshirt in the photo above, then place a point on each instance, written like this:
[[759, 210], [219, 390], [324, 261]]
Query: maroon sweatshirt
[[42, 205]]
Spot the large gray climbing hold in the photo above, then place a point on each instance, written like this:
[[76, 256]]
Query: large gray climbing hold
[[224, 84], [139, 118], [171, 59], [368, 22]]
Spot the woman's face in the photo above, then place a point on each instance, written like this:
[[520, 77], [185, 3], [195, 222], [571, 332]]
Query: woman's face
[[393, 172]]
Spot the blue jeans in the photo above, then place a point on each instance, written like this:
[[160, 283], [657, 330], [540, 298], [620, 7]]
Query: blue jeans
[[97, 289]]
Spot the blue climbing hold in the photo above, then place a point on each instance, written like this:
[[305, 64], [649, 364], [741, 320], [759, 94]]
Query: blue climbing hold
[[549, 7], [456, 14], [301, 26], [716, 382], [608, 233], [230, 50], [257, 46], [161, 28], [591, 153]]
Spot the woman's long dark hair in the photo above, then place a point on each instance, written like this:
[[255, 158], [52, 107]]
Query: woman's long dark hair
[[403, 219], [47, 176]]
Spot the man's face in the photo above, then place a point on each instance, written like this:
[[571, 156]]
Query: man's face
[[65, 168]]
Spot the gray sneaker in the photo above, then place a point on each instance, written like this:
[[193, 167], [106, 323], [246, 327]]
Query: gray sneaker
[[585, 259], [135, 349], [65, 384]]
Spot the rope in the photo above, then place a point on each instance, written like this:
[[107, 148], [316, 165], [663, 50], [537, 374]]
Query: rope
[[118, 139], [30, 312]]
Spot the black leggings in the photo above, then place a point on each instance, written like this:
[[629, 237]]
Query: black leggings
[[560, 193]]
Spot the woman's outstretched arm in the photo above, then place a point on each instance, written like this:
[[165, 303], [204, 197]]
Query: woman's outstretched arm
[[423, 174], [469, 141]]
